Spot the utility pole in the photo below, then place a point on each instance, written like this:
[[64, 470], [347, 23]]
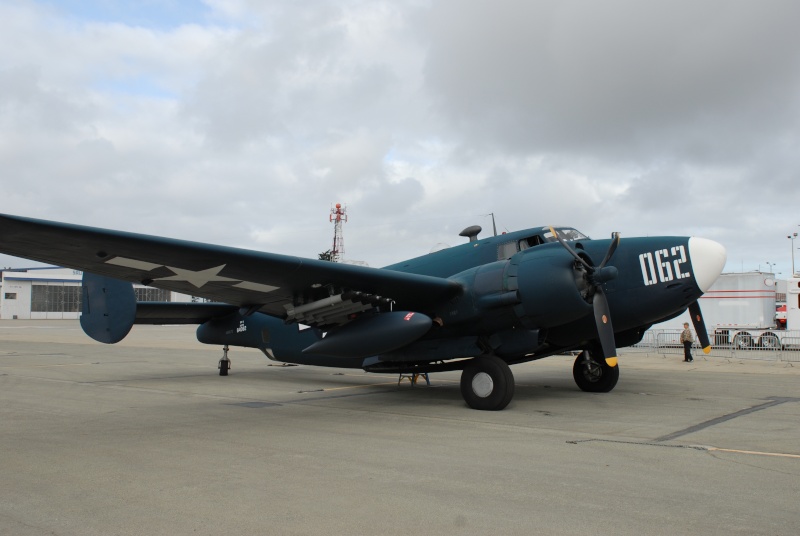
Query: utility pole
[[494, 227], [337, 217]]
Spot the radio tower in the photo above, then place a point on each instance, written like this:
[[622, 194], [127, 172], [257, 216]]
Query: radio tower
[[338, 216]]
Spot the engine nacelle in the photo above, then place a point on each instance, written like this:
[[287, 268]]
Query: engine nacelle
[[532, 291], [548, 289]]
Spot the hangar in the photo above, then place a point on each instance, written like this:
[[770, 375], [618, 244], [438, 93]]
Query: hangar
[[52, 292]]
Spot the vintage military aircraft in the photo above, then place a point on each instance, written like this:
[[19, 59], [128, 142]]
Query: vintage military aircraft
[[477, 307]]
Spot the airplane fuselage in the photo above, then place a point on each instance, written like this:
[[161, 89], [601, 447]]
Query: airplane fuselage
[[477, 307], [523, 302]]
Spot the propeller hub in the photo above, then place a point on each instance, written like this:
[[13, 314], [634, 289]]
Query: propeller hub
[[605, 274]]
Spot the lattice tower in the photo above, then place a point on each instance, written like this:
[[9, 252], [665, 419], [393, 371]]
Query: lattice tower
[[337, 217]]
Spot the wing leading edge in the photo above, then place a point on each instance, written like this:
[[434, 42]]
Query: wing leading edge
[[267, 282]]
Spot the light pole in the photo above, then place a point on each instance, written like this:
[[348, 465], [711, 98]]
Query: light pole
[[770, 264], [792, 237]]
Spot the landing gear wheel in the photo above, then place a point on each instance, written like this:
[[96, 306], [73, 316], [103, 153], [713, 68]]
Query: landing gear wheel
[[225, 362], [594, 377], [487, 383]]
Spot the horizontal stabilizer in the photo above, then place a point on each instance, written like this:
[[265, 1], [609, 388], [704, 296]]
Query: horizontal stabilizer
[[109, 309]]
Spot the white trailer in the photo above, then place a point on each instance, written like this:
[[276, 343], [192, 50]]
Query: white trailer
[[739, 310], [793, 305]]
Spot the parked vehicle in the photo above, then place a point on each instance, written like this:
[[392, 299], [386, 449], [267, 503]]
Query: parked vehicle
[[741, 310], [780, 316]]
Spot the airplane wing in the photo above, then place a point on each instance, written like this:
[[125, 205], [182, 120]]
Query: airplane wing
[[278, 285]]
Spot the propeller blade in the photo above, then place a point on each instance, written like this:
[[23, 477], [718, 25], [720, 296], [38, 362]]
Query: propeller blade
[[571, 251], [605, 331], [602, 315], [700, 326], [611, 249]]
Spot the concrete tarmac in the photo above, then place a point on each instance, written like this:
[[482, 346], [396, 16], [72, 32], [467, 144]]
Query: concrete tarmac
[[145, 437]]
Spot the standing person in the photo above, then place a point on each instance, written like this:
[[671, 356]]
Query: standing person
[[687, 339]]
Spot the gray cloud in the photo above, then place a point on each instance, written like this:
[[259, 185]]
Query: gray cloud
[[244, 124], [626, 80]]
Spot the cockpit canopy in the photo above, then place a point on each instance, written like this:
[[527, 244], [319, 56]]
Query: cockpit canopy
[[544, 235], [567, 233]]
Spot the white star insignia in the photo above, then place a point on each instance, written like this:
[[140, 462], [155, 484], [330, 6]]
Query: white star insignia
[[199, 278]]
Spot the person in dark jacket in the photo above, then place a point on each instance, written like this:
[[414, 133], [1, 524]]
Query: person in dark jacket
[[687, 339]]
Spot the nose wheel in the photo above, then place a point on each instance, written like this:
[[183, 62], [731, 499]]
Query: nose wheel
[[593, 376]]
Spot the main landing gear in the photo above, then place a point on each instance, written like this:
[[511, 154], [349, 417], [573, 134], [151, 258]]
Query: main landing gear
[[593, 376], [487, 383]]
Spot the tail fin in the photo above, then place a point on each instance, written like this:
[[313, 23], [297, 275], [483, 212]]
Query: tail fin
[[108, 308]]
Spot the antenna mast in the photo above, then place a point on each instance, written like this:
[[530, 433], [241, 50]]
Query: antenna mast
[[337, 217]]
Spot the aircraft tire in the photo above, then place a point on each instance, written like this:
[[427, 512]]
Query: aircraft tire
[[594, 377], [487, 383]]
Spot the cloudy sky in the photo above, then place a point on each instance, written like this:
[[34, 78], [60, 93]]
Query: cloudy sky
[[242, 122]]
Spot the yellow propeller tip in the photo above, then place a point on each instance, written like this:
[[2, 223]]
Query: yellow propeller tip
[[611, 361], [707, 350]]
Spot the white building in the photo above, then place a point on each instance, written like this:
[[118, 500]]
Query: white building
[[55, 293]]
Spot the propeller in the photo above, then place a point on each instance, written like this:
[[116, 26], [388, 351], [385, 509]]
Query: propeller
[[700, 326], [596, 276]]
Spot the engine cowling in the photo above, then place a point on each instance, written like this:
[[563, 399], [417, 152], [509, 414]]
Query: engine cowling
[[535, 291], [549, 292]]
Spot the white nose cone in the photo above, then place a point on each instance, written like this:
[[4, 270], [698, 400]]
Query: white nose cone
[[708, 260]]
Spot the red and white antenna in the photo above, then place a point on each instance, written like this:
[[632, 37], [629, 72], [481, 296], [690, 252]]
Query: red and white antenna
[[338, 216]]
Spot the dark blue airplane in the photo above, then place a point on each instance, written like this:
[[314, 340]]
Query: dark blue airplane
[[477, 307]]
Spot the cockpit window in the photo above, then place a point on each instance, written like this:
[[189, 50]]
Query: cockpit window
[[531, 241], [506, 250], [567, 233]]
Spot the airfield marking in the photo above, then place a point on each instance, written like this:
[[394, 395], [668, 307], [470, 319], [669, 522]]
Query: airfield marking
[[756, 452], [48, 366], [689, 447], [773, 401]]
